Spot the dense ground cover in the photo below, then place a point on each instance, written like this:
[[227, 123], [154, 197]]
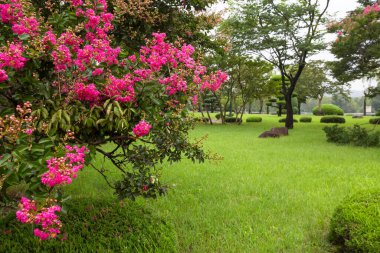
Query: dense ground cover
[[267, 195]]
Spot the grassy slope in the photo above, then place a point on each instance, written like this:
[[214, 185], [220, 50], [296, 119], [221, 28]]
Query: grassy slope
[[268, 195]]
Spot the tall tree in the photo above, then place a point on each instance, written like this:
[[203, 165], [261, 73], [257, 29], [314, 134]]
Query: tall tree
[[315, 82], [283, 33]]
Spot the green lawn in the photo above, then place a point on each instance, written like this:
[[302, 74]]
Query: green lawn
[[267, 195]]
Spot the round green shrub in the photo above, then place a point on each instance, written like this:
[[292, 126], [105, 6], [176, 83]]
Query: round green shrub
[[328, 109], [254, 119], [306, 119], [232, 120], [355, 225], [281, 102], [96, 226], [333, 119], [217, 116], [375, 121], [283, 120]]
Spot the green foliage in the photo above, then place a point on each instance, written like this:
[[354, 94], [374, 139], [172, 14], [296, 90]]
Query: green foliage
[[306, 119], [254, 119], [328, 109], [333, 119], [96, 226], [217, 116], [232, 120], [283, 120], [355, 135], [355, 225], [375, 121]]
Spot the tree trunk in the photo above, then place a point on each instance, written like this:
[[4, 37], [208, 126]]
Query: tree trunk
[[299, 108], [365, 106], [279, 113], [208, 115], [261, 106], [320, 106], [289, 111]]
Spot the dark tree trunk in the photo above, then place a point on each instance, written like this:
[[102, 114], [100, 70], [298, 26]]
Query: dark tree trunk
[[365, 106], [261, 106], [299, 108], [289, 111], [279, 113]]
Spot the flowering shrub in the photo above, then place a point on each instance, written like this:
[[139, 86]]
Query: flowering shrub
[[78, 81]]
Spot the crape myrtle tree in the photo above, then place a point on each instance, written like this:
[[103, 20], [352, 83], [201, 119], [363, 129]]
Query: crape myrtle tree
[[69, 92], [357, 47], [284, 33]]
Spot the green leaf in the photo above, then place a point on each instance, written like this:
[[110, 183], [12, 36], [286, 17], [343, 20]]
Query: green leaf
[[24, 36]]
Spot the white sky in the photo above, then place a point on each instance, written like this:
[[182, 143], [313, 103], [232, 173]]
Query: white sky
[[337, 10]]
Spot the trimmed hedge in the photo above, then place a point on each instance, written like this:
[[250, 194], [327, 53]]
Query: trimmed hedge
[[232, 120], [328, 109], [254, 119], [375, 121], [306, 119], [95, 226], [333, 119], [284, 119], [355, 225]]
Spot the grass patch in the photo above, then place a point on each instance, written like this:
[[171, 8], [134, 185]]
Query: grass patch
[[92, 225], [267, 195]]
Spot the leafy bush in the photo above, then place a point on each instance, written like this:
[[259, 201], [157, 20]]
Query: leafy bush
[[284, 119], [254, 119], [355, 135], [328, 109], [217, 116], [333, 119], [233, 120], [337, 134], [355, 225], [306, 119], [94, 226], [375, 121]]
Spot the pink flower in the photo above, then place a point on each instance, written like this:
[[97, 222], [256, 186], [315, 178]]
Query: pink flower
[[142, 128], [62, 58], [97, 72], [194, 100], [3, 76], [132, 58], [40, 234], [87, 93]]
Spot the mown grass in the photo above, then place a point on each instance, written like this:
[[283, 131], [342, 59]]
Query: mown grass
[[267, 195]]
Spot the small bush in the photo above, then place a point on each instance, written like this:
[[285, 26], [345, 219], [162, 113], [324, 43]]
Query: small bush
[[377, 113], [284, 119], [232, 120], [254, 119], [217, 116], [328, 109], [96, 226], [355, 135], [375, 121], [306, 119], [355, 225], [333, 119], [337, 134]]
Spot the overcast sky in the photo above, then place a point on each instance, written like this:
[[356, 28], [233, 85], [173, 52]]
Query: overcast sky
[[337, 10]]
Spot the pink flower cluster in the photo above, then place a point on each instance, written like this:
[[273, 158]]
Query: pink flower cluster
[[13, 13], [87, 92], [214, 81], [63, 169], [142, 128], [372, 8], [46, 218], [121, 89], [3, 76], [11, 57]]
